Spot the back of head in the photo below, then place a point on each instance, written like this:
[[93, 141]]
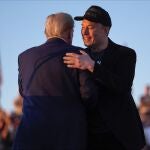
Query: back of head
[[57, 25]]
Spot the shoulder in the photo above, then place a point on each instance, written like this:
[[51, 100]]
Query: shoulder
[[74, 49], [26, 52], [123, 50], [30, 51]]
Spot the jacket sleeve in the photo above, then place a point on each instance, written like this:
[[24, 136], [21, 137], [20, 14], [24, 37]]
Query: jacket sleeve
[[120, 78], [88, 89]]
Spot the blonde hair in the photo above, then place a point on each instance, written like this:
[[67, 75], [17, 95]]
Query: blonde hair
[[58, 24]]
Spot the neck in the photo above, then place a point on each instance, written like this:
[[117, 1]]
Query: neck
[[64, 39], [66, 36]]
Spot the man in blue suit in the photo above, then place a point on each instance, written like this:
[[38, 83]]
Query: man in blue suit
[[54, 116]]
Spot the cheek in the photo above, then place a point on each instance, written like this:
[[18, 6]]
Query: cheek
[[99, 34], [91, 34], [95, 35]]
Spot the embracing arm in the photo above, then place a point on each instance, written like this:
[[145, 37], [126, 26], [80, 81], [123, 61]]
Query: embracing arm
[[81, 61], [118, 79]]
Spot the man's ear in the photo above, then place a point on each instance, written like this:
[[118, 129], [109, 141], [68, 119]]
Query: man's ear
[[107, 29], [70, 36]]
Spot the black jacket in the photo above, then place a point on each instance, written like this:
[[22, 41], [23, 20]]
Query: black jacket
[[113, 74]]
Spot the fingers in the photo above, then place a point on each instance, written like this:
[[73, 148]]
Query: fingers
[[72, 55], [69, 62], [83, 52], [70, 58], [66, 58]]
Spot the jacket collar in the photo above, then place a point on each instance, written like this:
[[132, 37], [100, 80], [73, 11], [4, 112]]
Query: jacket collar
[[56, 39]]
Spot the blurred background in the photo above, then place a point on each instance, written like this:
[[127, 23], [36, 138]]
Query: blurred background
[[22, 26]]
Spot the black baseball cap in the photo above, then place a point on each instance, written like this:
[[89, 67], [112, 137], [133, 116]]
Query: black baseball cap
[[96, 14]]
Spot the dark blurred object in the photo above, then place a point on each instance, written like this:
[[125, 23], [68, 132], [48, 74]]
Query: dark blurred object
[[144, 107], [16, 114], [146, 147], [144, 111], [145, 98], [5, 135]]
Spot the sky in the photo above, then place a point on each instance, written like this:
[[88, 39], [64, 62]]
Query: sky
[[22, 26]]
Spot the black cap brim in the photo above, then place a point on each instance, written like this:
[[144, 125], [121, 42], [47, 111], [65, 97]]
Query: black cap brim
[[78, 18]]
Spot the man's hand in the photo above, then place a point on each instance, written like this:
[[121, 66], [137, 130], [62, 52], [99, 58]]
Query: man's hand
[[81, 61]]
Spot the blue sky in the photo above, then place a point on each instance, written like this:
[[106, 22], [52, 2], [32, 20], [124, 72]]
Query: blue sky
[[22, 27]]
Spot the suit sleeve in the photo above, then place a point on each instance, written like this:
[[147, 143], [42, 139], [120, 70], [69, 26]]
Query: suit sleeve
[[120, 78]]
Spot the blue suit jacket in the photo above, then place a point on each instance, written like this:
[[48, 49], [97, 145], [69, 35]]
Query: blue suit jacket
[[54, 116]]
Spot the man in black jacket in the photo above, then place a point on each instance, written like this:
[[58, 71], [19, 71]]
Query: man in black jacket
[[114, 124]]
